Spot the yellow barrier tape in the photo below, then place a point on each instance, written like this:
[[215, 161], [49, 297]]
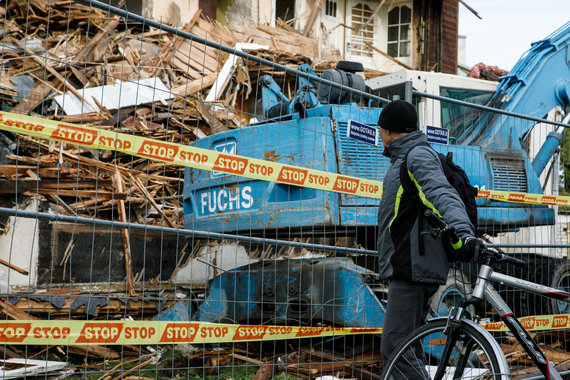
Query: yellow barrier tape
[[535, 323], [224, 162], [537, 199], [74, 332], [189, 156]]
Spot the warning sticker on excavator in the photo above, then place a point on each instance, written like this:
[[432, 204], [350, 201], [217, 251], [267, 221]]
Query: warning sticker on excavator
[[74, 332], [224, 162]]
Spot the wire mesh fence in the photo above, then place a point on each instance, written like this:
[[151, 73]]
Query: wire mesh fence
[[250, 269]]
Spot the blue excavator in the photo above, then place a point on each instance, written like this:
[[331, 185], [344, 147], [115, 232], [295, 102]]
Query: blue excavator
[[311, 130]]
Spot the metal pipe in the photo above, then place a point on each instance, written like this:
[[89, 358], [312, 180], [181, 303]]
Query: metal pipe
[[182, 231], [547, 150], [354, 252]]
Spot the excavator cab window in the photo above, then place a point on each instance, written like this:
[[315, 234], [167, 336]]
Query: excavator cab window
[[456, 117]]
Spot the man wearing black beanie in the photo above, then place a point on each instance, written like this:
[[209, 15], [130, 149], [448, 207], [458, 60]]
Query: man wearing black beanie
[[410, 259]]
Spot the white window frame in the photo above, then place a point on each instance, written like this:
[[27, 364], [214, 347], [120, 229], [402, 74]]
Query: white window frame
[[358, 48], [399, 25]]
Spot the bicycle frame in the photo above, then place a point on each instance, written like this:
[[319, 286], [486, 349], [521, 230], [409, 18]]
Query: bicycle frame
[[484, 290]]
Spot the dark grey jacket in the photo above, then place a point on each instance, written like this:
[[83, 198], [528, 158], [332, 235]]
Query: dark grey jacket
[[424, 263]]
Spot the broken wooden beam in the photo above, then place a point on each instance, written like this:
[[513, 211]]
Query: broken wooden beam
[[12, 266]]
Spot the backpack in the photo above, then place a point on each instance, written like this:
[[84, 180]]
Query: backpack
[[456, 177]]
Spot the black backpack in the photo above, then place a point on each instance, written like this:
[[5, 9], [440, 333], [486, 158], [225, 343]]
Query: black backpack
[[456, 177]]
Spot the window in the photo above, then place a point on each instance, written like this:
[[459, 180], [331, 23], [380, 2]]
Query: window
[[399, 36], [284, 9], [457, 118], [330, 8], [362, 30]]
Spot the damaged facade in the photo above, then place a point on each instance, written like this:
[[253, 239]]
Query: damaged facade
[[382, 35]]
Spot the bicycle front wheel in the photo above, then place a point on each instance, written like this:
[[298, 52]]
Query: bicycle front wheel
[[474, 355]]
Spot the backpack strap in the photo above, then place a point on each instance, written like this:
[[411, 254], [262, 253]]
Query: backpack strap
[[407, 184]]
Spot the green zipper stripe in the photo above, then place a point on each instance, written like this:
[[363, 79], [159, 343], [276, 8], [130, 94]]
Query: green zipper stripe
[[422, 196], [396, 206]]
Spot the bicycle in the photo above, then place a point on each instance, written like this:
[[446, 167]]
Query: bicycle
[[457, 346]]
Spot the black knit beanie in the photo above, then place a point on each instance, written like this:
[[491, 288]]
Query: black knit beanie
[[398, 116]]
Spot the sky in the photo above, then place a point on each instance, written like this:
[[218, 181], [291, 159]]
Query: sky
[[507, 28]]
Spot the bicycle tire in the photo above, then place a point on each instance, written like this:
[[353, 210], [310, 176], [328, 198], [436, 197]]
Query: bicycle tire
[[478, 366]]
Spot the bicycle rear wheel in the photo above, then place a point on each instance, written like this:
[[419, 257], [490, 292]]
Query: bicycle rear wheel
[[475, 355]]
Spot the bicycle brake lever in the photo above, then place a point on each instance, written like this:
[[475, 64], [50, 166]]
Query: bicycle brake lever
[[504, 258]]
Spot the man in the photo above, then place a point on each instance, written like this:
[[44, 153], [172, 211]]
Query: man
[[413, 264]]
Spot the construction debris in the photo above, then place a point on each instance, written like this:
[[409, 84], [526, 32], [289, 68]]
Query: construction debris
[[85, 66], [20, 368], [483, 71]]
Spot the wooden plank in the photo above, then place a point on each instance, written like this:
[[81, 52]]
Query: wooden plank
[[12, 266], [84, 53], [14, 312], [227, 71], [247, 359], [216, 33], [196, 70], [135, 306], [94, 351], [79, 75], [191, 52], [124, 373], [189, 45], [125, 237], [88, 162], [183, 69], [189, 65], [196, 85], [52, 184], [288, 42], [176, 41], [313, 17], [93, 117], [42, 172], [99, 194]]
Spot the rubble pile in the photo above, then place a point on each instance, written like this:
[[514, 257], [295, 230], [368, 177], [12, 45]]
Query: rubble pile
[[69, 62]]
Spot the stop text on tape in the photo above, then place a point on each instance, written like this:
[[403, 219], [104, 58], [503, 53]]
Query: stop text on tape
[[535, 323], [74, 332]]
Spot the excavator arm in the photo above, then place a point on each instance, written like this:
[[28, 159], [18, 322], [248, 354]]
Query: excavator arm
[[538, 82]]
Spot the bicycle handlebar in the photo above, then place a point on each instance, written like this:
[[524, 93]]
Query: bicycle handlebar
[[442, 229]]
